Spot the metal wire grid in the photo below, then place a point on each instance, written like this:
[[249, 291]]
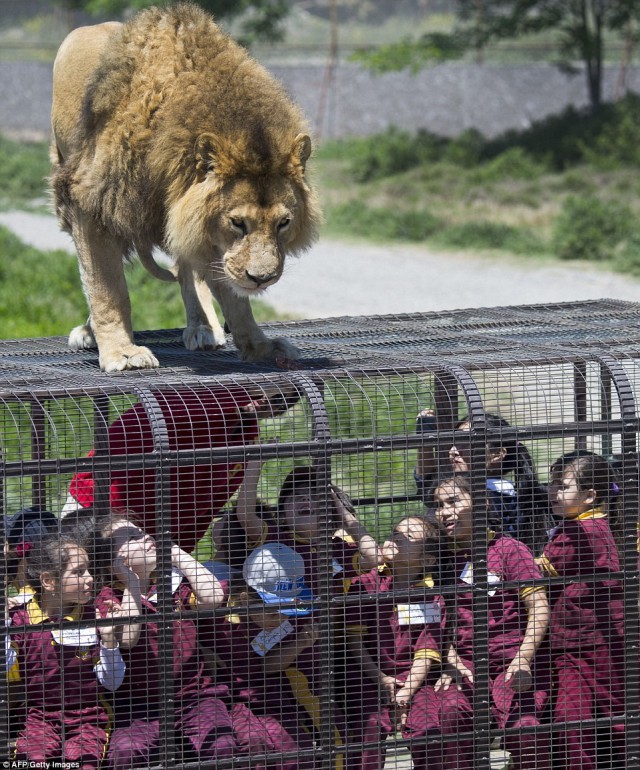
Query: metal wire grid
[[563, 376]]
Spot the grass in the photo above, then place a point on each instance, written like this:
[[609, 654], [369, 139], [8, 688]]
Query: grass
[[518, 193]]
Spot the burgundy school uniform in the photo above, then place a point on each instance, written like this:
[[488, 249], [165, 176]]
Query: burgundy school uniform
[[275, 712], [586, 634], [195, 420], [451, 711], [394, 635], [343, 551], [67, 716], [202, 717]]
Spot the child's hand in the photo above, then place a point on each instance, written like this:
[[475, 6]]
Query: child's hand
[[343, 506], [389, 687], [402, 702], [108, 633], [445, 681], [518, 674], [426, 421]]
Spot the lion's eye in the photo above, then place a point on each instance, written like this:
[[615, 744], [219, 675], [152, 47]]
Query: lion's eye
[[284, 223], [238, 224]]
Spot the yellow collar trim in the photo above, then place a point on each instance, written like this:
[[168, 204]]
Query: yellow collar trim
[[592, 513], [37, 616], [423, 582]]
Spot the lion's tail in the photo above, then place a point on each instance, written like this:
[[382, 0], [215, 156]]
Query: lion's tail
[[146, 257]]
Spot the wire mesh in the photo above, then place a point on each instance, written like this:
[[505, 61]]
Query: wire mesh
[[417, 548]]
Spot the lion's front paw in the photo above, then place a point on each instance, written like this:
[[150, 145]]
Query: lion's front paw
[[131, 357], [203, 337], [81, 338], [270, 350]]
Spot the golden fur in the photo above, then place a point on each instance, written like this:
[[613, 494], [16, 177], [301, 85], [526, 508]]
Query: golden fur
[[167, 133]]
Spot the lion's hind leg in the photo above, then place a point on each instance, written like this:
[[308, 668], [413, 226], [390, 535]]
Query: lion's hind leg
[[203, 330], [100, 257]]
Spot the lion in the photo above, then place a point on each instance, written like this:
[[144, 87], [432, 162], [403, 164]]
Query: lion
[[166, 133]]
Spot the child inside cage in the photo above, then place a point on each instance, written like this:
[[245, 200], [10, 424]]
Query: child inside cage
[[202, 720], [63, 671], [22, 530], [392, 644], [517, 623], [195, 418], [298, 523], [513, 488], [267, 649], [587, 619]]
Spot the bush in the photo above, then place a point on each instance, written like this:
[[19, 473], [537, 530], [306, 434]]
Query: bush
[[391, 153], [588, 228], [355, 218], [466, 149], [491, 235], [23, 170], [514, 163]]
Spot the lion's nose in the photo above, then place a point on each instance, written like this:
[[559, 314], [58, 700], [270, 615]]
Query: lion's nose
[[259, 280]]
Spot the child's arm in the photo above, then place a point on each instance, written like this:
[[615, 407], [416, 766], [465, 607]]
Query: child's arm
[[426, 460], [455, 671], [283, 656], [206, 587], [370, 555], [518, 672], [389, 684], [130, 604], [246, 504], [110, 669]]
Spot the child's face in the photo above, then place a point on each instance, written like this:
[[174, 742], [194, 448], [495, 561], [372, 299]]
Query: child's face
[[76, 582], [300, 512], [407, 545], [566, 498], [136, 549], [454, 510], [460, 454]]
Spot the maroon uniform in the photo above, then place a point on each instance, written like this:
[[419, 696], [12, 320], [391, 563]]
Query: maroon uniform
[[395, 632], [451, 711], [196, 419], [586, 634], [202, 717], [343, 551], [272, 712], [67, 717]]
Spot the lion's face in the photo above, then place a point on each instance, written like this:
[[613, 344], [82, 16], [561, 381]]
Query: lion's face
[[242, 227]]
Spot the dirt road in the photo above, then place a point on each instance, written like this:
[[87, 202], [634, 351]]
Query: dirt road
[[352, 278]]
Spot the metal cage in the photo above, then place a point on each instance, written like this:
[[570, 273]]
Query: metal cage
[[173, 447]]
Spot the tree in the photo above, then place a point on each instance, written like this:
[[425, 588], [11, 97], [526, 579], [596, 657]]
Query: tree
[[580, 24], [260, 20]]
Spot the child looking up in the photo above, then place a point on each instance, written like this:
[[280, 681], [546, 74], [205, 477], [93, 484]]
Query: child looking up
[[63, 669], [266, 648], [393, 644], [298, 523], [517, 624], [202, 721], [517, 498], [586, 629]]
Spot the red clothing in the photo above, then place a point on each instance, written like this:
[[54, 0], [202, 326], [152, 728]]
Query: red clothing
[[65, 716], [343, 551], [195, 419], [393, 634], [143, 688], [586, 636], [507, 560]]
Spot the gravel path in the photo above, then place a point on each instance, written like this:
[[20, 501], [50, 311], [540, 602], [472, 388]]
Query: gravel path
[[350, 278]]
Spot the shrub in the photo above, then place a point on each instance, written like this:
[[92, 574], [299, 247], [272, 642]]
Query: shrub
[[391, 153], [588, 228], [514, 163], [23, 170], [356, 218], [466, 149], [491, 235]]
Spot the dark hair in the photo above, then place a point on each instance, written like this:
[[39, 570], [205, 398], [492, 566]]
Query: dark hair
[[235, 546], [436, 544], [592, 471], [25, 528], [49, 554], [305, 477], [533, 515], [462, 481]]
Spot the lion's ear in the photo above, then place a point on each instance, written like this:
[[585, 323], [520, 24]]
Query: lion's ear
[[301, 151], [205, 152]]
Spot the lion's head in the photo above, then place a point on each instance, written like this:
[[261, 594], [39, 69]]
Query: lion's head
[[243, 212]]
